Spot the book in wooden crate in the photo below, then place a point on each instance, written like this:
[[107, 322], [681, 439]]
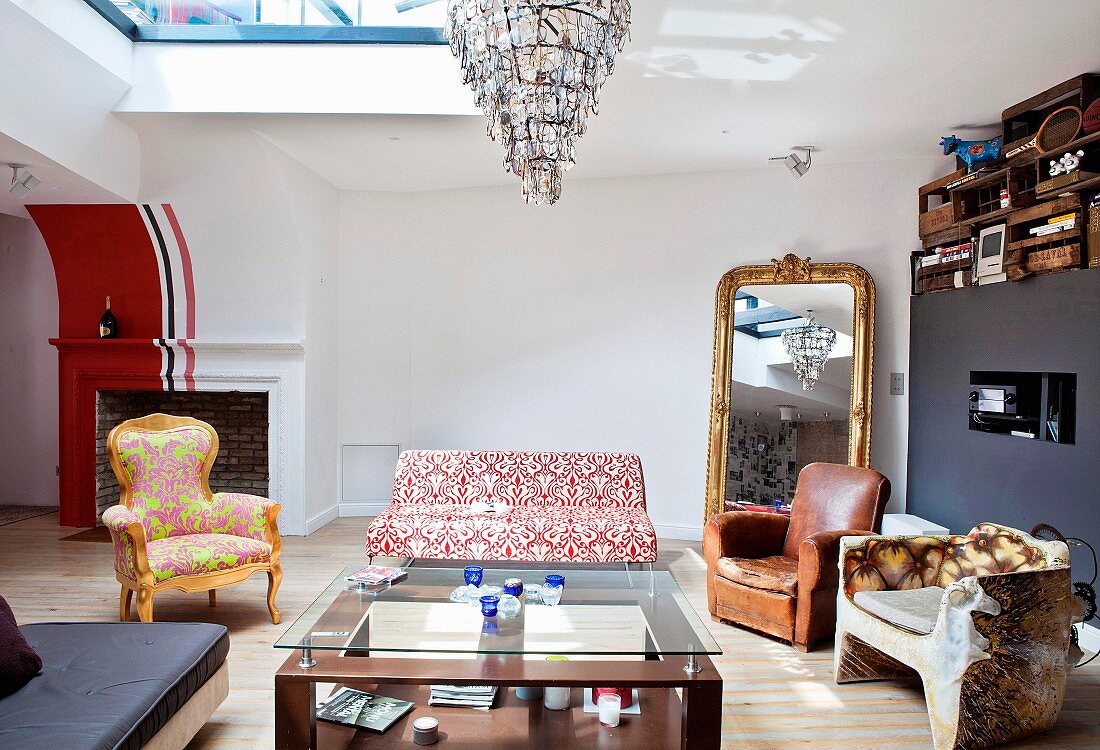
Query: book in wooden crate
[[1092, 242]]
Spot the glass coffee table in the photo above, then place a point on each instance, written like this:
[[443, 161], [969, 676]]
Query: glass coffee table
[[614, 628]]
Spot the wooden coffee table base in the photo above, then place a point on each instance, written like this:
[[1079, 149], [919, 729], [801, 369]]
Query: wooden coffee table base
[[667, 721]]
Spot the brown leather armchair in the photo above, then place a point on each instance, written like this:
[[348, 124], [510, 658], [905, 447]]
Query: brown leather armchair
[[780, 575]]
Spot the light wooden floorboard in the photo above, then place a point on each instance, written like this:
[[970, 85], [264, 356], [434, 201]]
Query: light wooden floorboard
[[775, 697]]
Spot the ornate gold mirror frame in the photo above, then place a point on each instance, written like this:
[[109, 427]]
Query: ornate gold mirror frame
[[790, 270]]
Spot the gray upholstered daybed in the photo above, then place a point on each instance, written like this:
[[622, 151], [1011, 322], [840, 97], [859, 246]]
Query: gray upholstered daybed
[[117, 686]]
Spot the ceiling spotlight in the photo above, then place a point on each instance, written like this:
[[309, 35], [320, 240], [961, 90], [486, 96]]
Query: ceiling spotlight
[[22, 181], [794, 162]]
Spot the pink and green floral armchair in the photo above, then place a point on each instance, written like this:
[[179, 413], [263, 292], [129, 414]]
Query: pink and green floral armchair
[[169, 530]]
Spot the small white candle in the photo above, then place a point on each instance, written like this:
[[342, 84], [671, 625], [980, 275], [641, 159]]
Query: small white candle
[[609, 705], [556, 698]]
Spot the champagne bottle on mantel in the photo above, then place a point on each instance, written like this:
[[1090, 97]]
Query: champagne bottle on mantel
[[108, 324]]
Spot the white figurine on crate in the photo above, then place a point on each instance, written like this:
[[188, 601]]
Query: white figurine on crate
[[1066, 164]]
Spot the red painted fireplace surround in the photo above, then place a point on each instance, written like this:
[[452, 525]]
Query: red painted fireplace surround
[[84, 367]]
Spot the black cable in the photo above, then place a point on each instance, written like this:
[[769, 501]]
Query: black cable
[[1082, 590], [1095, 567], [1087, 591]]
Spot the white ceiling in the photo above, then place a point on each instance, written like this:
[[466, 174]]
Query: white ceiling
[[709, 85], [832, 304], [837, 373]]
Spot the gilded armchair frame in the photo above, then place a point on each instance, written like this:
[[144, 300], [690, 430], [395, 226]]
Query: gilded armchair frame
[[144, 583], [790, 270]]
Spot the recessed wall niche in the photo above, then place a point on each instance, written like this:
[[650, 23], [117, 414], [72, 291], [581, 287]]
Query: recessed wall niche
[[1030, 405]]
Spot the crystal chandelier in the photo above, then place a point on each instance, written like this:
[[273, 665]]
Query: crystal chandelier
[[537, 67], [809, 347]]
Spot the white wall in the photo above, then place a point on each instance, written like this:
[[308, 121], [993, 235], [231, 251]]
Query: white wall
[[377, 304], [58, 89], [28, 366], [301, 78], [262, 232], [470, 320], [314, 210], [82, 27], [236, 212]]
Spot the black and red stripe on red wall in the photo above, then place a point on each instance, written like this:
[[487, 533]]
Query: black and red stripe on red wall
[[138, 256]]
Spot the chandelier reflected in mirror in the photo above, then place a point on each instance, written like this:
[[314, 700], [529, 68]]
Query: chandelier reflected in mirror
[[537, 68], [809, 347]]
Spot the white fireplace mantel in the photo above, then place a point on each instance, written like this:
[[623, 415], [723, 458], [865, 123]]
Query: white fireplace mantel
[[245, 347], [277, 368]]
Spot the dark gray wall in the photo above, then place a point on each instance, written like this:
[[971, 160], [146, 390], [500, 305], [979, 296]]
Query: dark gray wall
[[958, 477]]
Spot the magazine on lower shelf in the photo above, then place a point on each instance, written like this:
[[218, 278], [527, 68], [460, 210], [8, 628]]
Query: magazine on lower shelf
[[356, 708], [480, 697]]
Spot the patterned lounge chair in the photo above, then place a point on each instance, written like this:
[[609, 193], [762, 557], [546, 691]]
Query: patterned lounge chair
[[169, 530], [983, 619]]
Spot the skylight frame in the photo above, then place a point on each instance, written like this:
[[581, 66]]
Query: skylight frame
[[201, 33], [773, 318]]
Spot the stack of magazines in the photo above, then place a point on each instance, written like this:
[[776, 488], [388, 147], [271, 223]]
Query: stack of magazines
[[376, 575], [480, 697]]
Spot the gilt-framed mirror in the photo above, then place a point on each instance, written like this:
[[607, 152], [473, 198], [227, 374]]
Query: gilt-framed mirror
[[791, 377]]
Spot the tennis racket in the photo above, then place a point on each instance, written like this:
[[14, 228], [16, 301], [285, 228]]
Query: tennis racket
[[1060, 127]]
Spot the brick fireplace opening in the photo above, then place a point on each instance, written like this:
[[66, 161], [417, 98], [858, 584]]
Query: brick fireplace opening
[[239, 417]]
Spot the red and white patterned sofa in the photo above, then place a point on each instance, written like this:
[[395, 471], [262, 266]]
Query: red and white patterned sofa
[[561, 507]]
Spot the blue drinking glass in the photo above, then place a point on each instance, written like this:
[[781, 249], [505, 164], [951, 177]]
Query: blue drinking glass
[[489, 604], [473, 574], [555, 581]]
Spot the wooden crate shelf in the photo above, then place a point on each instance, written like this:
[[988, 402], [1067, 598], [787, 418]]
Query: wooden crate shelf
[[944, 276], [944, 216], [1020, 122], [953, 235], [1046, 239], [1068, 204], [1027, 254], [980, 201], [988, 218], [951, 213], [1042, 260], [1085, 178]]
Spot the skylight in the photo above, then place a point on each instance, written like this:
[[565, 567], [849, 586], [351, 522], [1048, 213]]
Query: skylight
[[761, 319], [377, 21]]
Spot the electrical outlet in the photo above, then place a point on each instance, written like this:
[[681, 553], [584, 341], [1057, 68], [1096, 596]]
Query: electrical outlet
[[897, 384]]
